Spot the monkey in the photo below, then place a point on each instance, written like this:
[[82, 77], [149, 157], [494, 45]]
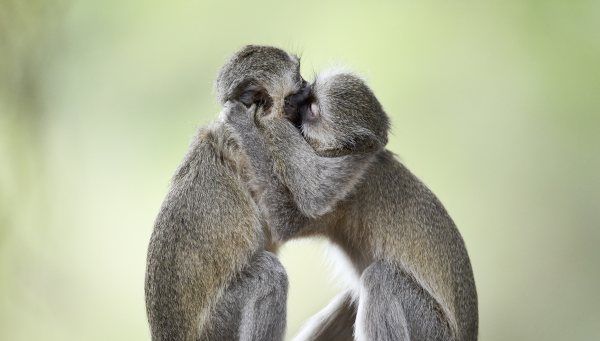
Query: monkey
[[328, 173], [212, 273]]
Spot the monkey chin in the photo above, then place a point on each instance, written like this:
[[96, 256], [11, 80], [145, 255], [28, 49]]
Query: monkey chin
[[295, 118]]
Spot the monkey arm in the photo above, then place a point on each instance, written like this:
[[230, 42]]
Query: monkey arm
[[241, 120], [298, 185], [275, 201], [316, 183]]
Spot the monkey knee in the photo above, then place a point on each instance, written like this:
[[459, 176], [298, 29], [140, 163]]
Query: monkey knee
[[278, 278], [271, 272], [378, 276]]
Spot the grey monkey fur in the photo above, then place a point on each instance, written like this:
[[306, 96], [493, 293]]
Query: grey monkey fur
[[210, 273], [334, 178]]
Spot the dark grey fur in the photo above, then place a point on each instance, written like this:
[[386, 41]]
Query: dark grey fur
[[414, 278]]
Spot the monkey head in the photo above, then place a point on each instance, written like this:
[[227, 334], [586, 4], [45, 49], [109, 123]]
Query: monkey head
[[338, 114], [262, 75]]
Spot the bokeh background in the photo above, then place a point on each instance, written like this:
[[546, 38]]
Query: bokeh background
[[495, 106]]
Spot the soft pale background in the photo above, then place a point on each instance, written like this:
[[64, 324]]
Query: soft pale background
[[496, 107]]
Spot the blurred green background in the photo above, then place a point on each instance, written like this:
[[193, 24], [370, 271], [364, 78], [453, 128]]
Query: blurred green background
[[495, 106]]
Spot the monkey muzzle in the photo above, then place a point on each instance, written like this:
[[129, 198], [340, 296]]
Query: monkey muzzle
[[300, 106]]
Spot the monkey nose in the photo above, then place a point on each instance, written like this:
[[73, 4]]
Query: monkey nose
[[293, 102]]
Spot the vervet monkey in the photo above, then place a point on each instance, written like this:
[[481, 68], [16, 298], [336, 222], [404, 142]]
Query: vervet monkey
[[330, 175], [210, 274]]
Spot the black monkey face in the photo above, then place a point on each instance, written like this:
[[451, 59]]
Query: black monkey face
[[297, 106]]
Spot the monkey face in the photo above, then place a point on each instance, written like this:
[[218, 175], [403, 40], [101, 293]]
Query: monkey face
[[295, 104], [338, 115], [260, 75]]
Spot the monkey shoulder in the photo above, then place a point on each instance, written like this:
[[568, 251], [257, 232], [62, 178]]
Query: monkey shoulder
[[209, 182], [207, 205], [390, 191], [219, 140]]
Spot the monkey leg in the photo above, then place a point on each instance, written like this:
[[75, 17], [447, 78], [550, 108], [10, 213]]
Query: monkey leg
[[334, 323], [264, 315], [253, 307], [393, 306]]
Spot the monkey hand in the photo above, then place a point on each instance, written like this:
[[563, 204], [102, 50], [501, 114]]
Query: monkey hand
[[239, 117], [234, 112], [259, 115], [279, 131]]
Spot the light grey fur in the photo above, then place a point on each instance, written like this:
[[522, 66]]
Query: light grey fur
[[337, 180], [210, 275]]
